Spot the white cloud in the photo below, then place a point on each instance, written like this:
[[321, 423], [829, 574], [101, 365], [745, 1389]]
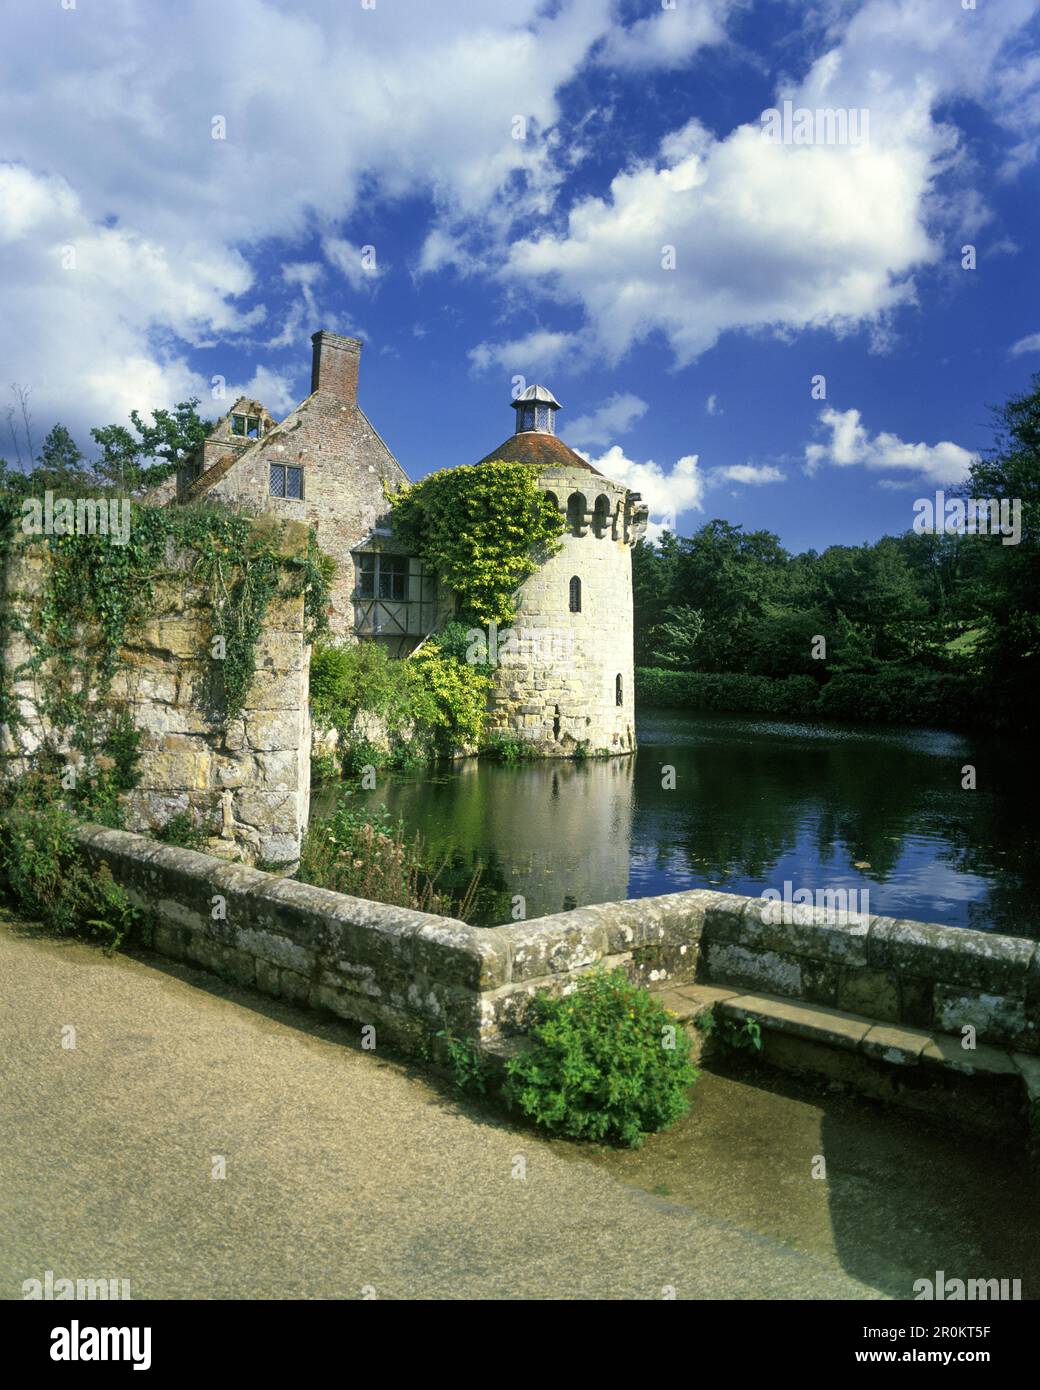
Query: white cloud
[[784, 237], [668, 38], [536, 352], [1028, 344], [712, 406], [275, 390], [852, 445], [666, 494], [325, 106], [752, 475], [91, 312], [616, 415], [360, 265]]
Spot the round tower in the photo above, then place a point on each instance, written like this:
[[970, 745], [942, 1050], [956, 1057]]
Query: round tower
[[564, 675]]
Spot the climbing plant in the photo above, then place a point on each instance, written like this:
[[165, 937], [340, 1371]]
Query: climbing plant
[[96, 591], [483, 528]]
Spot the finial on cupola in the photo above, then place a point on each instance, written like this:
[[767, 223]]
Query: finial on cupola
[[536, 410]]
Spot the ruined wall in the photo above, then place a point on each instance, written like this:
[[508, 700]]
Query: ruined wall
[[246, 783]]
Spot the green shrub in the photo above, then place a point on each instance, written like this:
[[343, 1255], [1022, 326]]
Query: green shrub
[[606, 1063], [743, 1036], [182, 831], [504, 748], [323, 768], [900, 695], [735, 693], [44, 875], [470, 1071], [431, 702]]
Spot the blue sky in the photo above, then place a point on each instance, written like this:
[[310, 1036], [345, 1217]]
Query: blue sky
[[519, 169]]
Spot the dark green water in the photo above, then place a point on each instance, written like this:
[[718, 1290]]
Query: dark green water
[[756, 802]]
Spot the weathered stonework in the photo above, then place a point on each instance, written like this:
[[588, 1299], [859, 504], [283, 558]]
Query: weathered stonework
[[246, 783], [413, 976], [346, 467], [570, 687]]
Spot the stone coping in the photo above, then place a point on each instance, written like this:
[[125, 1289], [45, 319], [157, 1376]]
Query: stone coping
[[673, 938], [535, 949]]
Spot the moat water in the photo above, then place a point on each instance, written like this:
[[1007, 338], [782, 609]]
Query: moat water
[[755, 803]]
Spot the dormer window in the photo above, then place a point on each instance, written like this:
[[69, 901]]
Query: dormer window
[[246, 426]]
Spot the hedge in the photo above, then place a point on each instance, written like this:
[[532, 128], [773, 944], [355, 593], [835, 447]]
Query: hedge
[[895, 695]]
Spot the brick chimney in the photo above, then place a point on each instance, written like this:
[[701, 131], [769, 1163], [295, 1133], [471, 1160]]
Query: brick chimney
[[334, 365]]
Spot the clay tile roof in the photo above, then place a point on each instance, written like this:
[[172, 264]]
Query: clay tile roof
[[546, 450]]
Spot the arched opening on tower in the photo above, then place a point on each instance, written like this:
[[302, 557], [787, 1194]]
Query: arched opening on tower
[[575, 595], [601, 516], [576, 513]]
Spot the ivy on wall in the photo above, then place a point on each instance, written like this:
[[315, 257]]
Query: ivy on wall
[[96, 591], [483, 528]]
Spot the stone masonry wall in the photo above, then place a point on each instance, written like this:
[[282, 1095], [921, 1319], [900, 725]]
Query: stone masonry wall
[[246, 783], [414, 974], [345, 465], [561, 691]]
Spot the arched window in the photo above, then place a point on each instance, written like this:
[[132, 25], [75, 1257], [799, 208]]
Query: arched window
[[575, 595], [601, 516], [619, 693], [553, 499], [576, 513]]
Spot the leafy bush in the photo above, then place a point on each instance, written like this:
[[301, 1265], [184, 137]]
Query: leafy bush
[[455, 695], [892, 695], [504, 748], [44, 875], [606, 1063], [898, 695], [182, 831], [431, 702], [743, 1036], [470, 1071]]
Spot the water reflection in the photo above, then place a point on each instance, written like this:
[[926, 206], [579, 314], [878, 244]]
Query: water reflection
[[754, 803]]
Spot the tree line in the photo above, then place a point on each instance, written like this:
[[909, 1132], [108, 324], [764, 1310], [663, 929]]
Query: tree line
[[909, 614]]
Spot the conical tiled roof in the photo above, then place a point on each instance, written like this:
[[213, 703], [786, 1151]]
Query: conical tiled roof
[[534, 446]]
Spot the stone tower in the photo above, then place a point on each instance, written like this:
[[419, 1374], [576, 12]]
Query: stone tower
[[564, 681]]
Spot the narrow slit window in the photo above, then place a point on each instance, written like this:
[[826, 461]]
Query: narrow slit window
[[575, 597], [619, 693]]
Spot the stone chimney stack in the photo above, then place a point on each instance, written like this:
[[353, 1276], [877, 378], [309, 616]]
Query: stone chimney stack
[[334, 365]]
